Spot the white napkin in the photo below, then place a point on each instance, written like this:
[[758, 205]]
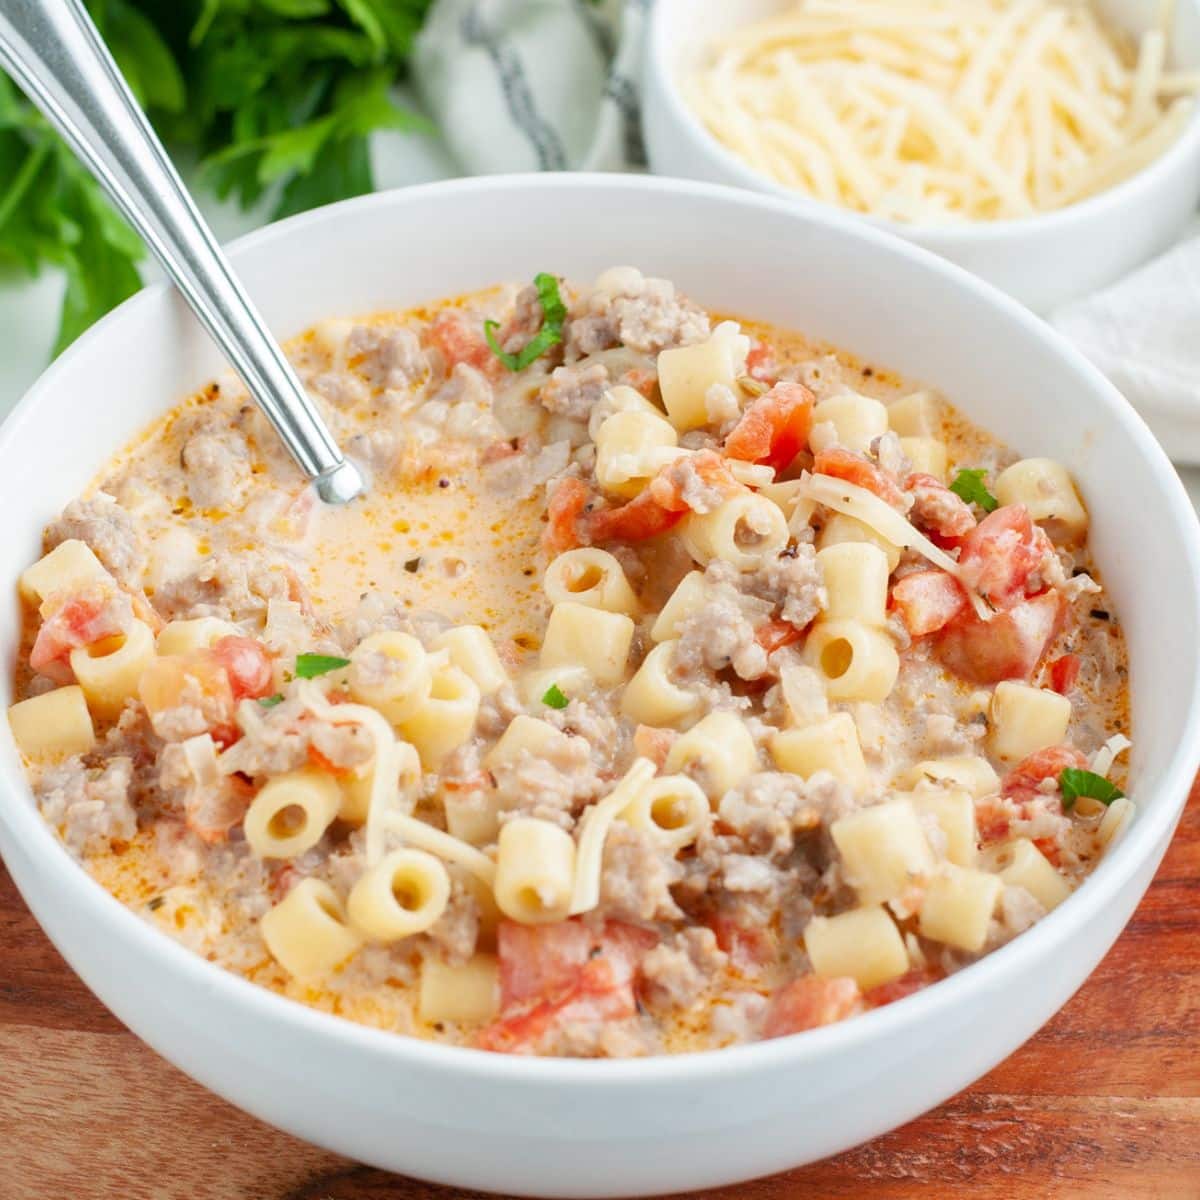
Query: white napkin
[[552, 85], [529, 85], [1143, 332]]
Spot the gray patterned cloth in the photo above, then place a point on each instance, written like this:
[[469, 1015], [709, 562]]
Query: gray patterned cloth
[[535, 85]]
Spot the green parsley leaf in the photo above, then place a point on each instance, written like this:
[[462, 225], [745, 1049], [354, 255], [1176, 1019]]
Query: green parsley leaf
[[270, 98], [968, 485], [554, 313], [555, 697], [271, 701], [309, 666], [1074, 782]]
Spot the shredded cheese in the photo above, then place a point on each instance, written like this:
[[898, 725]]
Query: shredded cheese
[[868, 508], [384, 763], [593, 830], [382, 814], [424, 836], [1103, 759], [943, 110], [201, 755]]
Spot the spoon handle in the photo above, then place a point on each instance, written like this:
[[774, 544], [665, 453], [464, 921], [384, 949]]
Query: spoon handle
[[55, 54]]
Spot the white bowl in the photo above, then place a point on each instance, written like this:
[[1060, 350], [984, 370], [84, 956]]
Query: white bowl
[[1043, 261], [567, 1128]]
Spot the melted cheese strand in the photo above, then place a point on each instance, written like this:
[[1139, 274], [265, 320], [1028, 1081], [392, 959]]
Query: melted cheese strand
[[866, 507], [1102, 760], [384, 764], [593, 830], [424, 836]]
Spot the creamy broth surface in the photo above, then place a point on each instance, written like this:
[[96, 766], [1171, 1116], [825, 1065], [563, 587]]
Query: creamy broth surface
[[736, 766]]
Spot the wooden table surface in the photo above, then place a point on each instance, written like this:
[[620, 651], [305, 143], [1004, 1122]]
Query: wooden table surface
[[1104, 1102]]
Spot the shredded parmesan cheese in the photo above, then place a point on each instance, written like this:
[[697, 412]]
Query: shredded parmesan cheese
[[384, 763], [424, 836], [939, 111], [1103, 759], [866, 507], [593, 830]]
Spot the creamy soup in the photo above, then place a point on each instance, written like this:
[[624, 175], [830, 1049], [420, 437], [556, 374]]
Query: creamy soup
[[677, 683]]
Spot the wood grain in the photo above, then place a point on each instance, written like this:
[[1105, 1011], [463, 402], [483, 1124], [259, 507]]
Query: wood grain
[[1104, 1102]]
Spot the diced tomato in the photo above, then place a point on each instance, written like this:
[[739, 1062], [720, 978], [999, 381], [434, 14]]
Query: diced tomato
[[908, 984], [668, 485], [653, 743], [247, 664], [79, 619], [1000, 554], [536, 960], [858, 469], [993, 816], [319, 760], [749, 949], [760, 362], [1021, 783], [1063, 672], [809, 1002], [211, 813], [564, 510], [774, 429], [1051, 851], [593, 995], [937, 509], [661, 505], [642, 381], [560, 972], [928, 601], [1006, 645], [459, 339], [643, 517], [193, 679], [774, 635]]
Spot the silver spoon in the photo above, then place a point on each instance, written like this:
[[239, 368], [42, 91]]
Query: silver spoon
[[55, 54]]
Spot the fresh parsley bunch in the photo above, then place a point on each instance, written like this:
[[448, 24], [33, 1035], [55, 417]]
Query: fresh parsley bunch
[[266, 94]]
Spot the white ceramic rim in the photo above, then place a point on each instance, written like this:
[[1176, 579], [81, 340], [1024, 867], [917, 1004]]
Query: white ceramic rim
[[945, 237], [1153, 825]]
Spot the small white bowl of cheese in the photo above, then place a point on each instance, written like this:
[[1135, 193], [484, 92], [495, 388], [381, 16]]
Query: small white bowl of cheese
[[1047, 151]]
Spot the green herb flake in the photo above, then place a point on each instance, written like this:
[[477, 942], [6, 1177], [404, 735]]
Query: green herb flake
[[555, 697], [969, 485], [413, 565], [309, 666], [271, 701], [156, 903], [1074, 782], [554, 314]]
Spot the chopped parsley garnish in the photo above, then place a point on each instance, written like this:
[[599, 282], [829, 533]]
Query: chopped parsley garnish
[[554, 313], [271, 701], [968, 485], [1074, 782], [155, 903], [309, 666], [555, 697]]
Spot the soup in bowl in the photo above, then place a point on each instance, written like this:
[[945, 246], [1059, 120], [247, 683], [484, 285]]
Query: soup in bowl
[[703, 676]]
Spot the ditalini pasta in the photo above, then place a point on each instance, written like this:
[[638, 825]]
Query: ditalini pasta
[[682, 664], [943, 111]]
